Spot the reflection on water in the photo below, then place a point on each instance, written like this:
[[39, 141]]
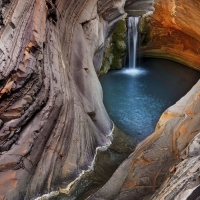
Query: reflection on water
[[136, 98]]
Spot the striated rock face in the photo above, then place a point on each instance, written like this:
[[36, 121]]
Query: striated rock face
[[137, 8], [173, 32], [51, 112], [184, 183], [107, 160]]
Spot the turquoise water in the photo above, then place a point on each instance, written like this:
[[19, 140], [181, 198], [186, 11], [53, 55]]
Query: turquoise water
[[135, 99]]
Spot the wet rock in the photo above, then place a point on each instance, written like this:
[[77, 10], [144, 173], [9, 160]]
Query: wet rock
[[107, 159]]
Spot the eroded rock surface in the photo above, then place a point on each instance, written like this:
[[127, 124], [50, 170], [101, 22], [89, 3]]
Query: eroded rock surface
[[173, 32], [184, 182], [166, 164], [51, 112], [52, 117], [138, 8]]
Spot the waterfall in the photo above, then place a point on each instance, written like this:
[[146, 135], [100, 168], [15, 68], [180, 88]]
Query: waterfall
[[132, 41]]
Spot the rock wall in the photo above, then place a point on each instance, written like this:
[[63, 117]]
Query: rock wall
[[138, 8], [172, 32], [52, 117]]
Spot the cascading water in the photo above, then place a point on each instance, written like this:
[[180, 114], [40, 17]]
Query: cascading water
[[132, 40]]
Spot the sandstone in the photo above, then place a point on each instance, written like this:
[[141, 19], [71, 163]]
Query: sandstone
[[165, 165], [138, 8]]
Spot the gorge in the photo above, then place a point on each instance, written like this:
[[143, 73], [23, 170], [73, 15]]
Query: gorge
[[56, 138]]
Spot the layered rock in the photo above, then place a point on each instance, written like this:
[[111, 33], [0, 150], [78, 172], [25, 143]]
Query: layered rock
[[51, 112], [184, 182], [107, 160], [172, 32], [52, 117], [138, 8]]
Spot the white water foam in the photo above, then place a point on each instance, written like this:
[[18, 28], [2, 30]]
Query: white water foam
[[134, 72]]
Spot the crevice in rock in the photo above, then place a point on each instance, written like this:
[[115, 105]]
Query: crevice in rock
[[12, 25], [92, 114], [3, 4], [195, 194], [106, 162], [52, 14]]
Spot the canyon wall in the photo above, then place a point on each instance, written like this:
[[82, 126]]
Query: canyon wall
[[52, 117], [172, 32], [138, 8]]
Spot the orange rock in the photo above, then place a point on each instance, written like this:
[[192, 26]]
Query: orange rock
[[174, 32]]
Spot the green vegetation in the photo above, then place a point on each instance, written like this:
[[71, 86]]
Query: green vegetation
[[115, 49], [144, 30]]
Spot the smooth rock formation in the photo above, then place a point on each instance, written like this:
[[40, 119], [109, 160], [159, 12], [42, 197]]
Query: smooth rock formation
[[172, 32], [51, 112], [107, 160], [166, 164]]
